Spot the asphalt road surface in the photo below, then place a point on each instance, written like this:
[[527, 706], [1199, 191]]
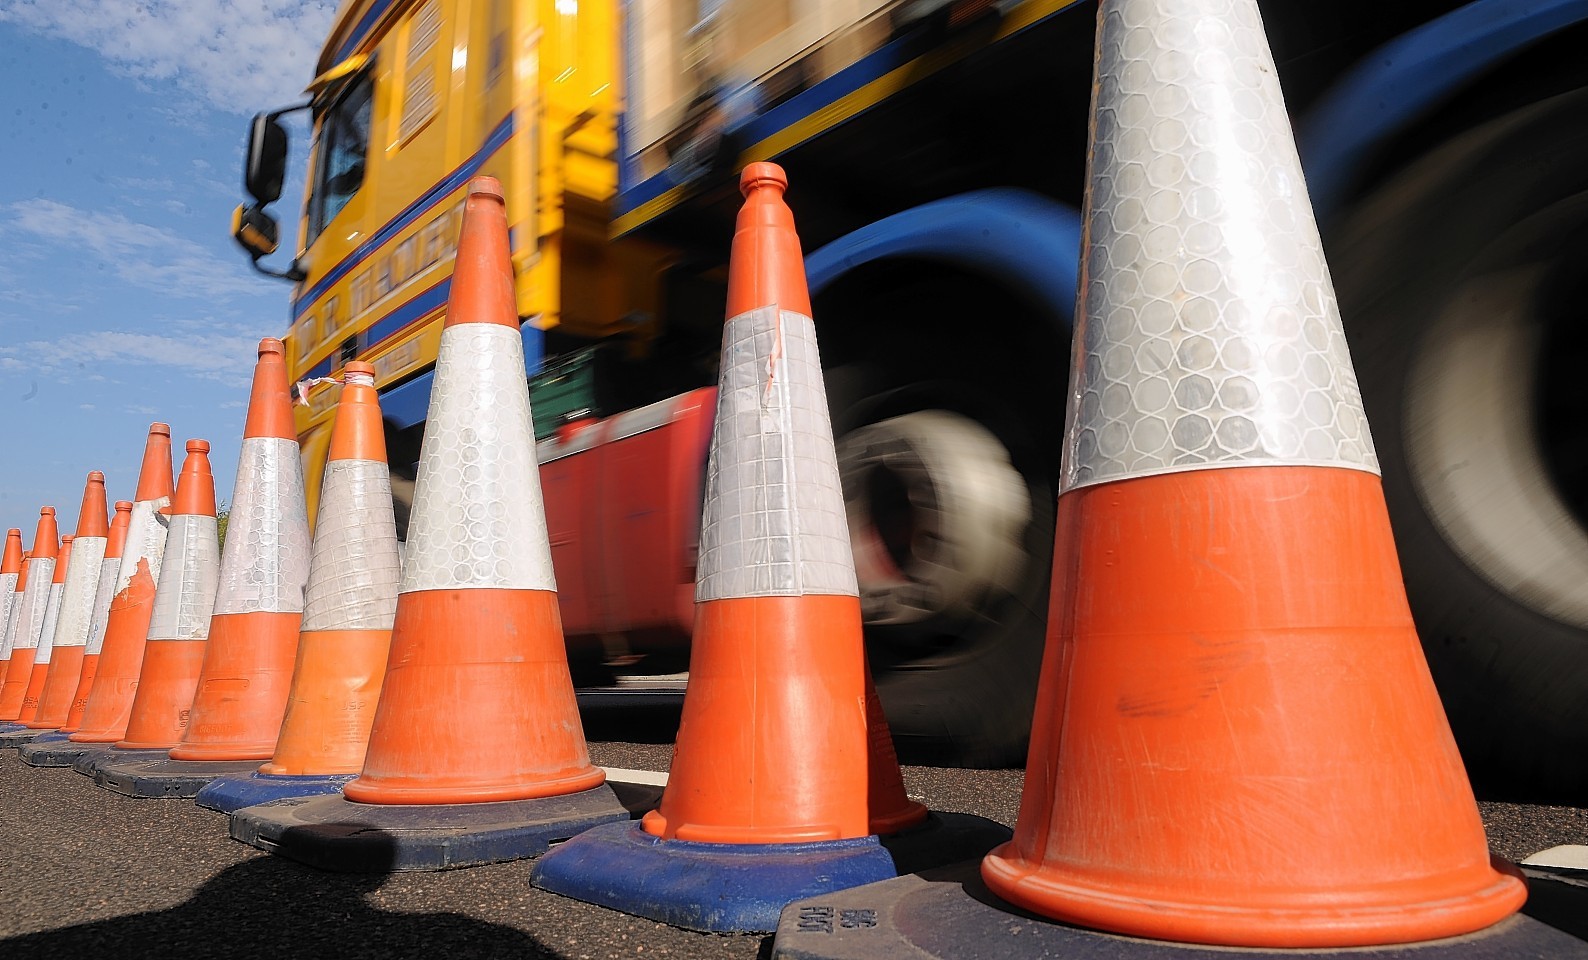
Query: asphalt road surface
[[87, 873]]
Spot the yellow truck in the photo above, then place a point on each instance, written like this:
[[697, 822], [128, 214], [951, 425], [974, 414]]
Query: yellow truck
[[936, 151]]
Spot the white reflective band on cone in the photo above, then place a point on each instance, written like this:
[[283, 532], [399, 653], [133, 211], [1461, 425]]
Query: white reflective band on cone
[[12, 619], [184, 601], [108, 572], [1207, 332], [477, 517], [147, 531], [8, 604], [45, 641], [354, 574], [77, 594], [35, 601], [773, 522], [265, 560]]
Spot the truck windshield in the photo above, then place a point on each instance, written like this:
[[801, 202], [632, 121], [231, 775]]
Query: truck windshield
[[344, 140]]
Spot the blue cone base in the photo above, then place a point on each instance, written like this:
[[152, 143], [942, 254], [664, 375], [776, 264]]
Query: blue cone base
[[11, 726], [230, 794], [714, 887], [334, 833], [168, 779], [17, 736], [56, 750], [949, 913], [89, 764]]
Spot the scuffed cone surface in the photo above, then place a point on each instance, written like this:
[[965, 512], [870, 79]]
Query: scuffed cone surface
[[477, 518], [354, 574], [185, 599], [146, 536], [78, 593], [1208, 334], [265, 560], [109, 570], [773, 522], [33, 605]]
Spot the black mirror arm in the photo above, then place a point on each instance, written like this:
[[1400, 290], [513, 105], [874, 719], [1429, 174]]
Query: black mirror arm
[[293, 272]]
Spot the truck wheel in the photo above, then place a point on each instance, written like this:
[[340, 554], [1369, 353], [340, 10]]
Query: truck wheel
[[951, 545], [1461, 281]]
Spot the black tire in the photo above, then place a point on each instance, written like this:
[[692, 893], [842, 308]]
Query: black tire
[[1502, 622], [906, 337]]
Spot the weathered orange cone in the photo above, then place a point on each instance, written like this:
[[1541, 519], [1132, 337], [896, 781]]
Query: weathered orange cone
[[127, 625], [777, 656], [1237, 739], [784, 767], [477, 702], [10, 595], [351, 598], [247, 674], [477, 648], [103, 594], [179, 624], [46, 644], [38, 573], [349, 604], [72, 624]]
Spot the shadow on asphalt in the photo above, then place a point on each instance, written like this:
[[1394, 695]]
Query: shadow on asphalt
[[270, 909]]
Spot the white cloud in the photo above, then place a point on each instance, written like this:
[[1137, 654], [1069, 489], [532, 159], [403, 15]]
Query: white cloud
[[237, 55], [226, 357], [140, 254]]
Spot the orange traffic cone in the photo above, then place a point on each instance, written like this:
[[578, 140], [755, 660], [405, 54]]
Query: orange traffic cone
[[1237, 739], [179, 624], [242, 691], [782, 750], [46, 642], [72, 624], [127, 624], [55, 749], [349, 603], [477, 703], [38, 574], [10, 595], [108, 572]]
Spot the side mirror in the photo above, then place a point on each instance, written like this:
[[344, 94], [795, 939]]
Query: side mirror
[[257, 232], [267, 159]]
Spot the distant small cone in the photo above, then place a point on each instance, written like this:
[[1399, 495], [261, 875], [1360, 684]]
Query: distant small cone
[[179, 624], [38, 574], [127, 624], [1237, 741], [108, 571], [72, 625], [477, 702], [253, 643], [42, 655], [10, 595], [775, 745], [350, 600]]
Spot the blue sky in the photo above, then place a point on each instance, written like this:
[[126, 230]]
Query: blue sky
[[122, 298]]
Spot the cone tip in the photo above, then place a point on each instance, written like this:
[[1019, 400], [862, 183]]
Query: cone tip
[[763, 174], [95, 476], [272, 346], [67, 538], [123, 506], [359, 366], [198, 446], [486, 187], [46, 511], [159, 429], [14, 532]]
